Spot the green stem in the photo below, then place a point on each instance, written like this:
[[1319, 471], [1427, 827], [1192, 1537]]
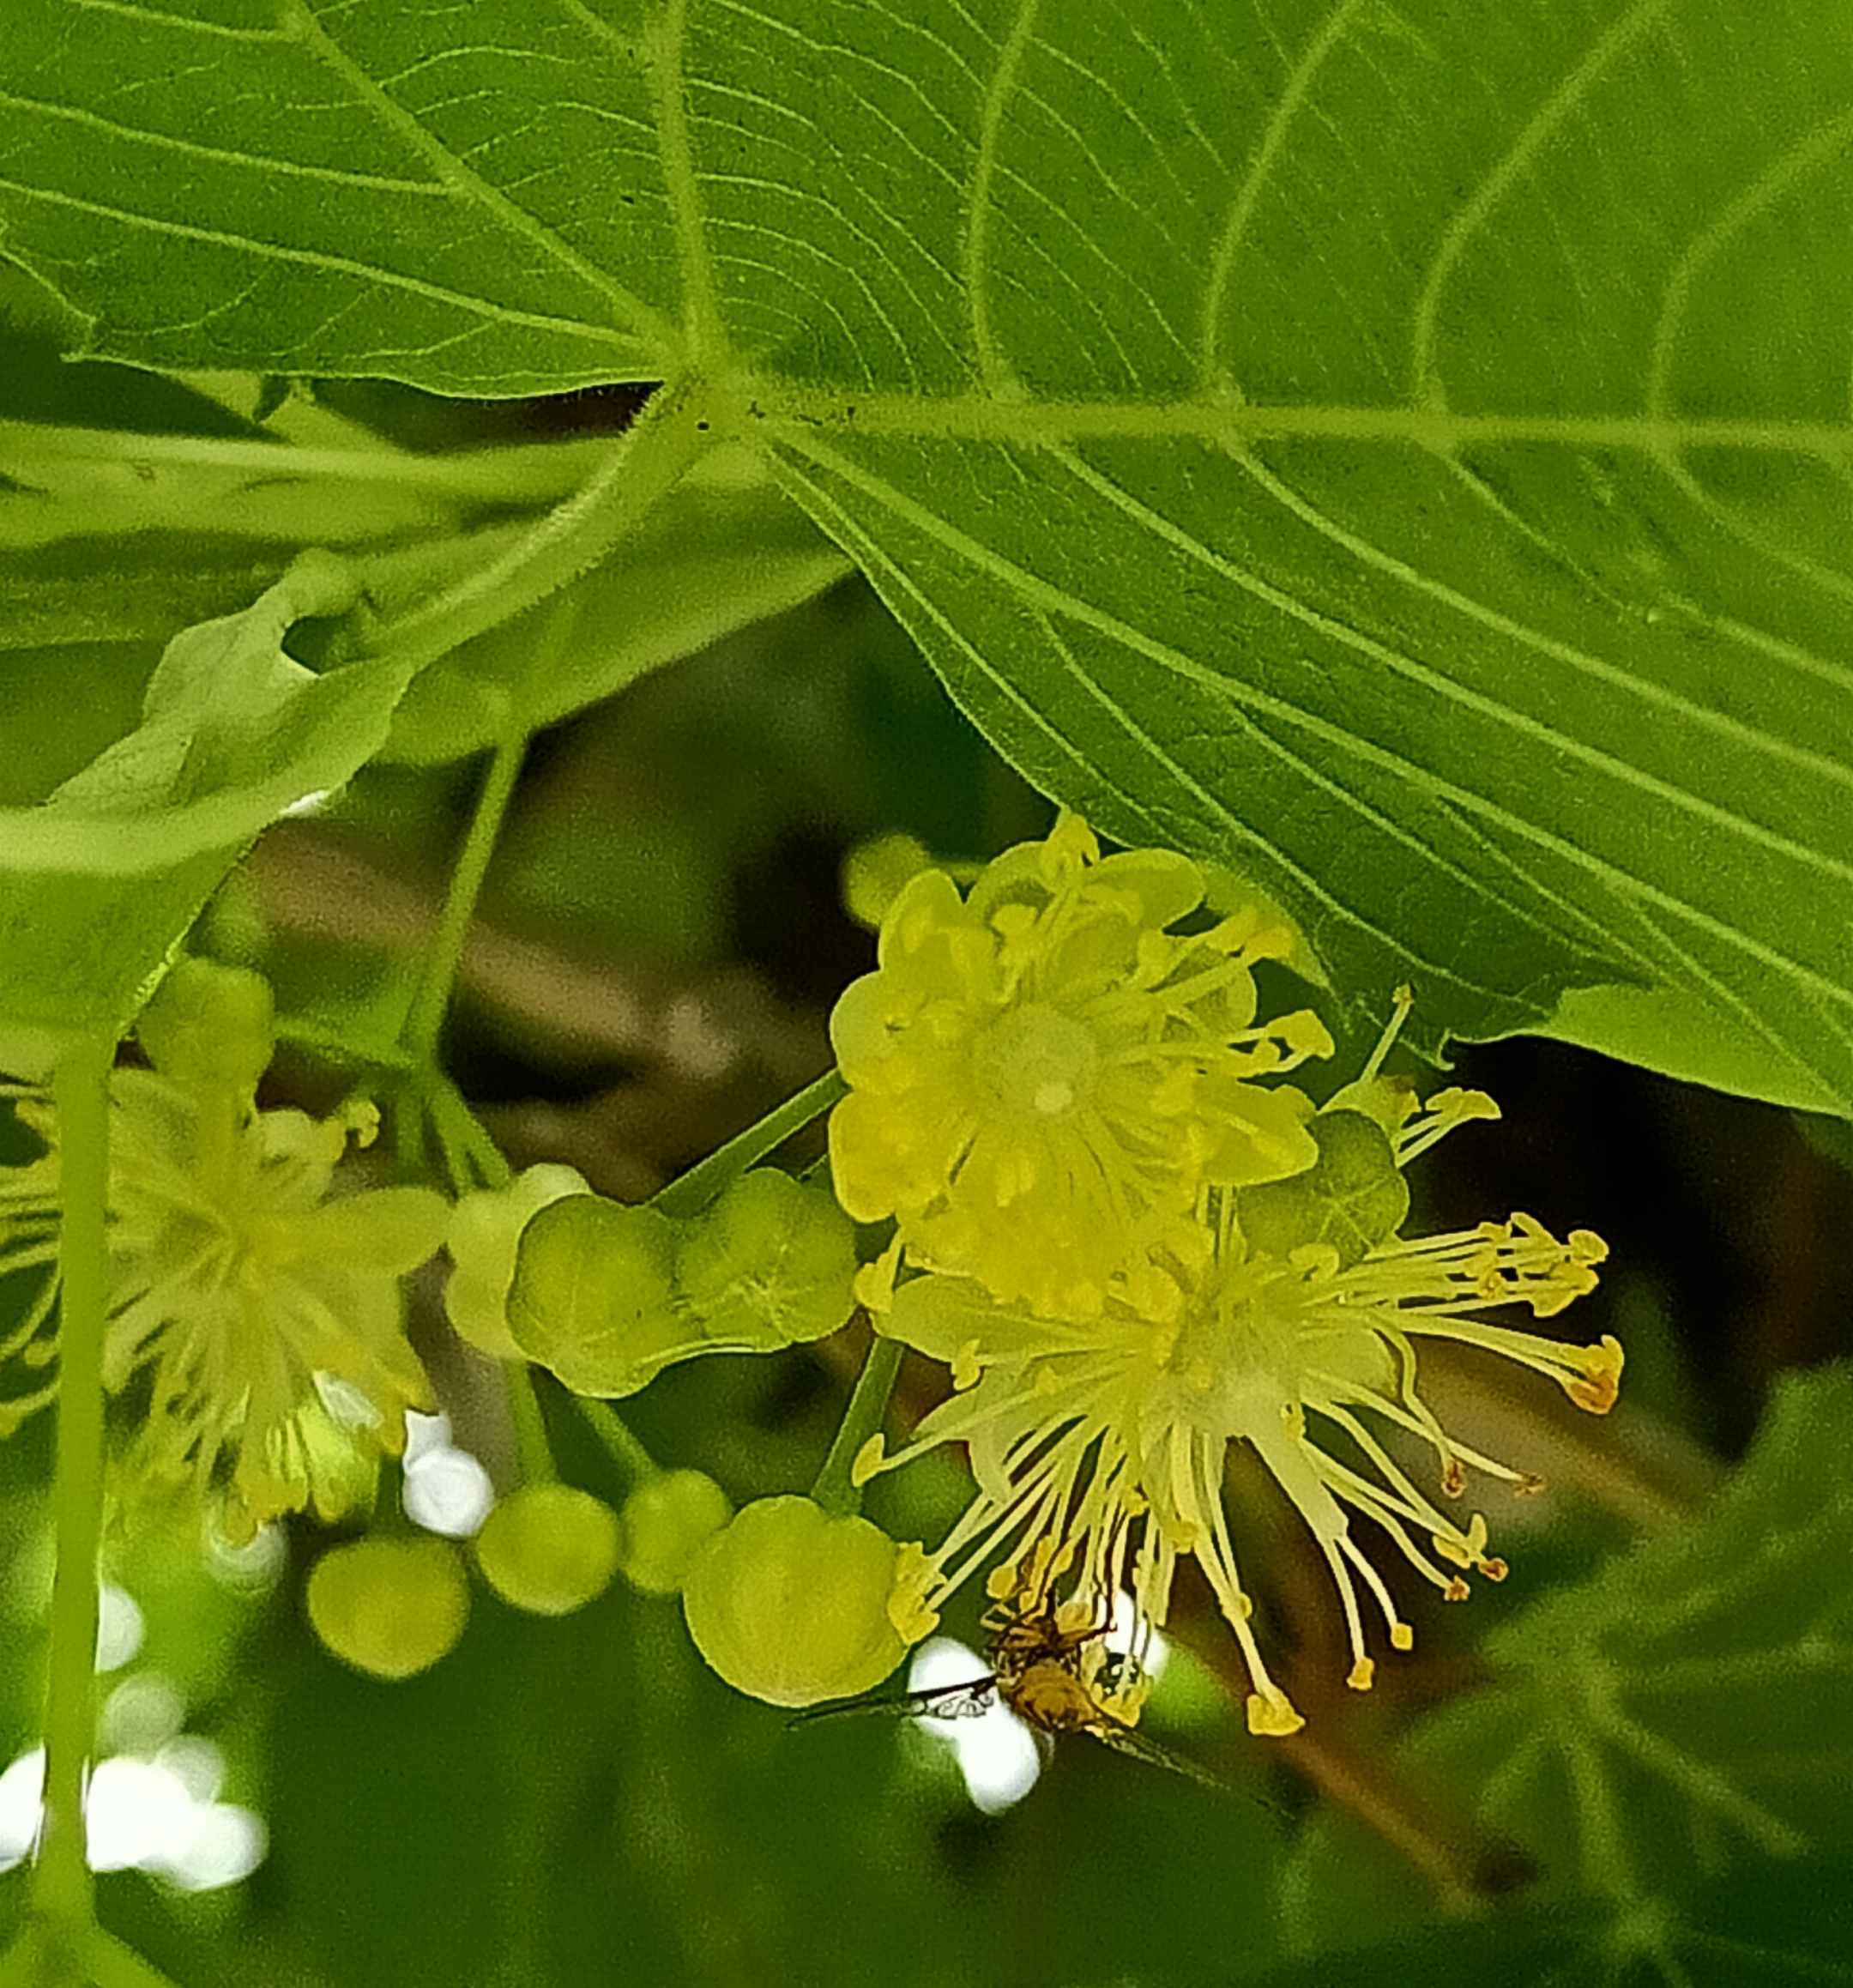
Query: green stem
[[425, 1016], [62, 1898], [627, 1451], [531, 1444], [643, 469], [692, 1192], [868, 1406], [571, 540], [112, 1965], [471, 1157]]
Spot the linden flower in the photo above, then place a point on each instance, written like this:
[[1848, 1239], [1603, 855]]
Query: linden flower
[[1043, 1077], [264, 1317], [1099, 1445]]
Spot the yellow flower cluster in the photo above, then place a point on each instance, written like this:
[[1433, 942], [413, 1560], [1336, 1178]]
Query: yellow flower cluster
[[1135, 1248], [1043, 1077], [256, 1318]]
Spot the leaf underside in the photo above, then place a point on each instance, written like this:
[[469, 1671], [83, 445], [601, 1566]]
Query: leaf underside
[[1401, 454]]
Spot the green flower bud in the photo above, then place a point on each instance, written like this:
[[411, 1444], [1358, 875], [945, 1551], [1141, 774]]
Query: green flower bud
[[791, 1605], [389, 1607], [875, 872], [209, 1027], [549, 1549], [594, 1299], [484, 1233], [664, 1524], [770, 1264], [1351, 1199]]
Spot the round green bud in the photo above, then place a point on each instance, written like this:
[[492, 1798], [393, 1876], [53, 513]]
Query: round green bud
[[791, 1605], [664, 1524], [484, 1233], [549, 1549], [771, 1263], [593, 1297], [210, 1027], [389, 1607], [876, 872]]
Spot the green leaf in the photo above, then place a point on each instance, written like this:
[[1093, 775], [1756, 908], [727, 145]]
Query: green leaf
[[1403, 458], [99, 880], [85, 482], [1686, 1711], [108, 457], [424, 220]]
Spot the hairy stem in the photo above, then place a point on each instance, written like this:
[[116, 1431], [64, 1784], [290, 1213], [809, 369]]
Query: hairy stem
[[571, 540]]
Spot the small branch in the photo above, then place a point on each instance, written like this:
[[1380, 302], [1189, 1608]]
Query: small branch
[[627, 1451], [425, 1016]]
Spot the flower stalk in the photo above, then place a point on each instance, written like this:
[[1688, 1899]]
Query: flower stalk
[[837, 1488], [63, 1894]]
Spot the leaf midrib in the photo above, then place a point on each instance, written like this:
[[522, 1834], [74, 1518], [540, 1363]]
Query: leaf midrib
[[758, 398]]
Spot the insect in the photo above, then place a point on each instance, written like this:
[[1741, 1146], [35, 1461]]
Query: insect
[[1056, 1679]]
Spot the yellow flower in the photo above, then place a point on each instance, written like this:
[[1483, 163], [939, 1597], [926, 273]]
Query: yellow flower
[[1043, 1076], [1099, 1443], [255, 1325], [267, 1315]]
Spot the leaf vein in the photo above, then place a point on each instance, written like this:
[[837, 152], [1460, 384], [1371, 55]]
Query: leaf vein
[[644, 321], [1503, 175]]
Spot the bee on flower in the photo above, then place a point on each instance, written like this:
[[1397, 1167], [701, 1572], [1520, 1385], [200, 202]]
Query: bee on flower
[[1051, 1666], [1117, 1315]]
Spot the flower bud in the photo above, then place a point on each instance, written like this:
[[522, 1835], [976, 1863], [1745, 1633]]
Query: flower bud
[[209, 1027], [664, 1524], [593, 1297], [485, 1234], [1352, 1199], [389, 1607], [549, 1549], [876, 872], [770, 1264], [791, 1605]]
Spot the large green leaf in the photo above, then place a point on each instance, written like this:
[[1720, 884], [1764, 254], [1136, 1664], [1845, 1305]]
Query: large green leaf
[[1683, 1715], [1404, 454]]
